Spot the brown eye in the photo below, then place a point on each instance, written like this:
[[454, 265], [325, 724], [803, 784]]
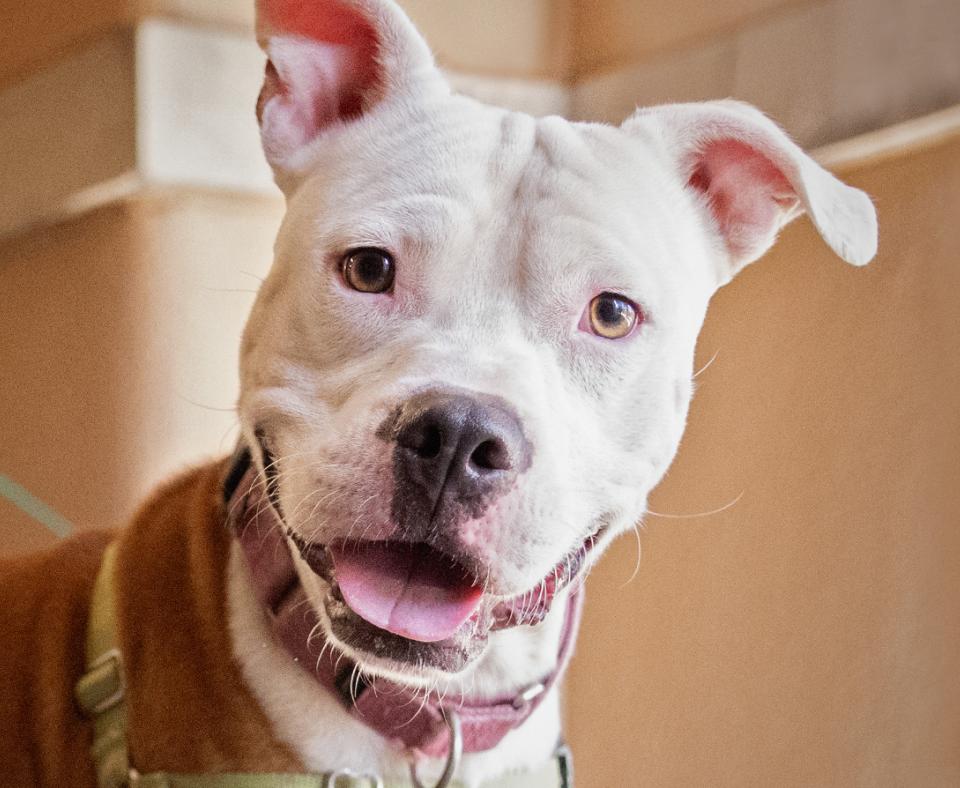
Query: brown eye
[[612, 316], [368, 270]]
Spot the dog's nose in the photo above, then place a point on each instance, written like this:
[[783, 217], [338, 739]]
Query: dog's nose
[[458, 449]]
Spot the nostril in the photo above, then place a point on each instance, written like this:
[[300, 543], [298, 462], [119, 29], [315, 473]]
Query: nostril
[[491, 455], [431, 443], [426, 440]]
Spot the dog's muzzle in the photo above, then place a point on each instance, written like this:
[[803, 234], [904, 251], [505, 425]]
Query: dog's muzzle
[[421, 592]]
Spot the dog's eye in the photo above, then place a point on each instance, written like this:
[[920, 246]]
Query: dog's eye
[[612, 316], [368, 270]]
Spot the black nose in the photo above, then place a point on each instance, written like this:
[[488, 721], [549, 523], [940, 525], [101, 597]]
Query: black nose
[[456, 452]]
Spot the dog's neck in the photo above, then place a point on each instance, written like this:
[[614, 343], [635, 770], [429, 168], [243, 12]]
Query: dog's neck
[[311, 706]]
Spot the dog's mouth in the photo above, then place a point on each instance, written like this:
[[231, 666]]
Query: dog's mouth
[[410, 590], [408, 603]]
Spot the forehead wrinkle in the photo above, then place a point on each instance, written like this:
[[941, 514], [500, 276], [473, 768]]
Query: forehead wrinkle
[[564, 145], [510, 152], [417, 219], [526, 178], [496, 217]]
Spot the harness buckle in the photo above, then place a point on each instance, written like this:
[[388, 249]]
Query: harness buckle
[[101, 688]]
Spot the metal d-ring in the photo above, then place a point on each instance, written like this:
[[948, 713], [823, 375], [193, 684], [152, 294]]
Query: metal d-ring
[[453, 755], [348, 777]]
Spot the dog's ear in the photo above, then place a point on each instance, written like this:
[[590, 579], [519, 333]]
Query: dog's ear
[[753, 179], [329, 62]]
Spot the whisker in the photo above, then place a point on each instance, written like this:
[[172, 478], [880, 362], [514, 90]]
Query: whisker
[[228, 290], [706, 366], [636, 566], [196, 404], [723, 508]]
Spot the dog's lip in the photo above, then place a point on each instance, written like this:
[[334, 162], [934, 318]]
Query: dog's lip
[[316, 555], [532, 606], [498, 612]]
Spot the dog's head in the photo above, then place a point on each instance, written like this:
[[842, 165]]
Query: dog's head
[[472, 359]]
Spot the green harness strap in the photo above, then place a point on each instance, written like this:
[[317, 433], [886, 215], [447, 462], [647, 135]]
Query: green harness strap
[[160, 780], [100, 695], [100, 690]]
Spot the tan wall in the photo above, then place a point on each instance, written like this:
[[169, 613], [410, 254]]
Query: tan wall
[[120, 335], [32, 34], [809, 634], [611, 33], [825, 69], [518, 38]]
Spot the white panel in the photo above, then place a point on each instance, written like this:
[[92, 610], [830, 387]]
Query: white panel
[[196, 93]]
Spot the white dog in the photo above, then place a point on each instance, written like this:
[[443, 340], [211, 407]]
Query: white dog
[[454, 278], [525, 290], [469, 366]]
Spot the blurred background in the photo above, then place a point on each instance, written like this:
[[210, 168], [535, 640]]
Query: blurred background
[[795, 619]]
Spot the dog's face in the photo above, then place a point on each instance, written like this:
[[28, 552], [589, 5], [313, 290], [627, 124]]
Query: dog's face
[[472, 359]]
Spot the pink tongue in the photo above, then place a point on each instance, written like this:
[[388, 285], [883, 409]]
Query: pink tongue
[[408, 589]]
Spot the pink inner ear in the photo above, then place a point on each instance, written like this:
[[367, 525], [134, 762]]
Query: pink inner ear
[[323, 67], [746, 192], [328, 21]]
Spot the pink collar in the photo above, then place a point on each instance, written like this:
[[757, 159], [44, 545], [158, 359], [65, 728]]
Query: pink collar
[[395, 712]]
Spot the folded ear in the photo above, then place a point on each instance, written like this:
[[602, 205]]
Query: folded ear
[[754, 180], [328, 62]]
